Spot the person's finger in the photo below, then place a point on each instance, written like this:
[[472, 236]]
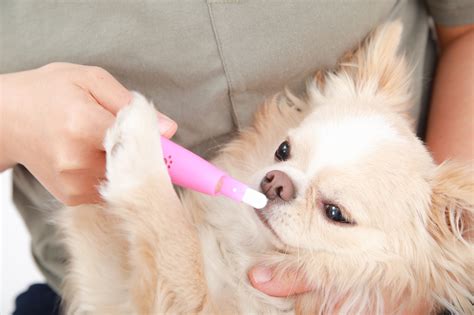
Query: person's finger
[[80, 186], [102, 119], [105, 89], [167, 126], [263, 279], [99, 120], [92, 198]]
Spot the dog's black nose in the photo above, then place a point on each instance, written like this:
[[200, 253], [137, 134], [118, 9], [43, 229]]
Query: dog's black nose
[[277, 184]]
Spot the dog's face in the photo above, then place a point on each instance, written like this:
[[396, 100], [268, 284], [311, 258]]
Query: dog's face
[[355, 199], [348, 180]]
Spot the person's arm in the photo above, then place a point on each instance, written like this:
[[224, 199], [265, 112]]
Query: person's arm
[[53, 121], [450, 131]]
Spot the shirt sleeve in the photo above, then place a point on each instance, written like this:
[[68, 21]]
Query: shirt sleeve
[[451, 12]]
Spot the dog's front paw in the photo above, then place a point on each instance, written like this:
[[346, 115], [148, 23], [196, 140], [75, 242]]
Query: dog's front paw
[[133, 145]]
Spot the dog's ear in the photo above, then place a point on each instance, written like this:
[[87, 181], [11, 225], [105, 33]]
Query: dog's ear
[[452, 204], [280, 113], [374, 67], [450, 224], [378, 62]]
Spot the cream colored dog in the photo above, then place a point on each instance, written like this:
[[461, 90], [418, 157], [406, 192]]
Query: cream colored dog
[[357, 205]]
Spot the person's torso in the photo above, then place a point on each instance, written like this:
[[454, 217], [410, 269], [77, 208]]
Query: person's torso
[[205, 64]]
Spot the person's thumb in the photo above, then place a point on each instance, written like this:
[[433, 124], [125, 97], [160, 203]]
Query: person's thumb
[[264, 279]]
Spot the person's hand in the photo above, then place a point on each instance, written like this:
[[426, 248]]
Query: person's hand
[[53, 121], [287, 284]]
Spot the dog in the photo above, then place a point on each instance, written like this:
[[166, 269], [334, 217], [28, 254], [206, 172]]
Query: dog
[[356, 205]]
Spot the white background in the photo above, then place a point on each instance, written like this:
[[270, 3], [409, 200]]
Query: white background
[[16, 263]]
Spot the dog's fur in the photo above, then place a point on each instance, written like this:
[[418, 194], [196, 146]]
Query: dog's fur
[[148, 251]]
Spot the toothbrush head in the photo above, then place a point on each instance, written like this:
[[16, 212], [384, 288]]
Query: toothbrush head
[[240, 192], [254, 198]]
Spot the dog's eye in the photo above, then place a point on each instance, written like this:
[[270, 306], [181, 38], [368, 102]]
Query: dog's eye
[[333, 213], [283, 151]]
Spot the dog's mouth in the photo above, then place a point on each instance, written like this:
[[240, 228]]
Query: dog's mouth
[[265, 216], [264, 219]]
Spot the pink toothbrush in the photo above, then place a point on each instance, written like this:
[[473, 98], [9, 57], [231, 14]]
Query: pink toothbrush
[[188, 170]]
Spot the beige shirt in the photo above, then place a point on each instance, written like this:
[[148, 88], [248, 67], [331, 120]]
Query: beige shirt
[[208, 65]]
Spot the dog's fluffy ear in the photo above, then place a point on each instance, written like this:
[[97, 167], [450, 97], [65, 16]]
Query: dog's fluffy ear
[[452, 214], [451, 224], [378, 59], [281, 112], [374, 67]]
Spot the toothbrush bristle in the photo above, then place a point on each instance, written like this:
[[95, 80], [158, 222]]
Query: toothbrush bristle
[[254, 198]]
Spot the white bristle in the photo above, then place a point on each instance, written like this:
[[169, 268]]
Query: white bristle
[[254, 198]]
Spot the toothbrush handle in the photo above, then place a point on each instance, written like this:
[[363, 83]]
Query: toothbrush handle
[[189, 170]]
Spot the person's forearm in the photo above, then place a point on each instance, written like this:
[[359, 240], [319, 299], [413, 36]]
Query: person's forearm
[[451, 121]]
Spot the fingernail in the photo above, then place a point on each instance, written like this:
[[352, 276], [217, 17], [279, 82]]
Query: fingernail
[[262, 274], [164, 123]]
